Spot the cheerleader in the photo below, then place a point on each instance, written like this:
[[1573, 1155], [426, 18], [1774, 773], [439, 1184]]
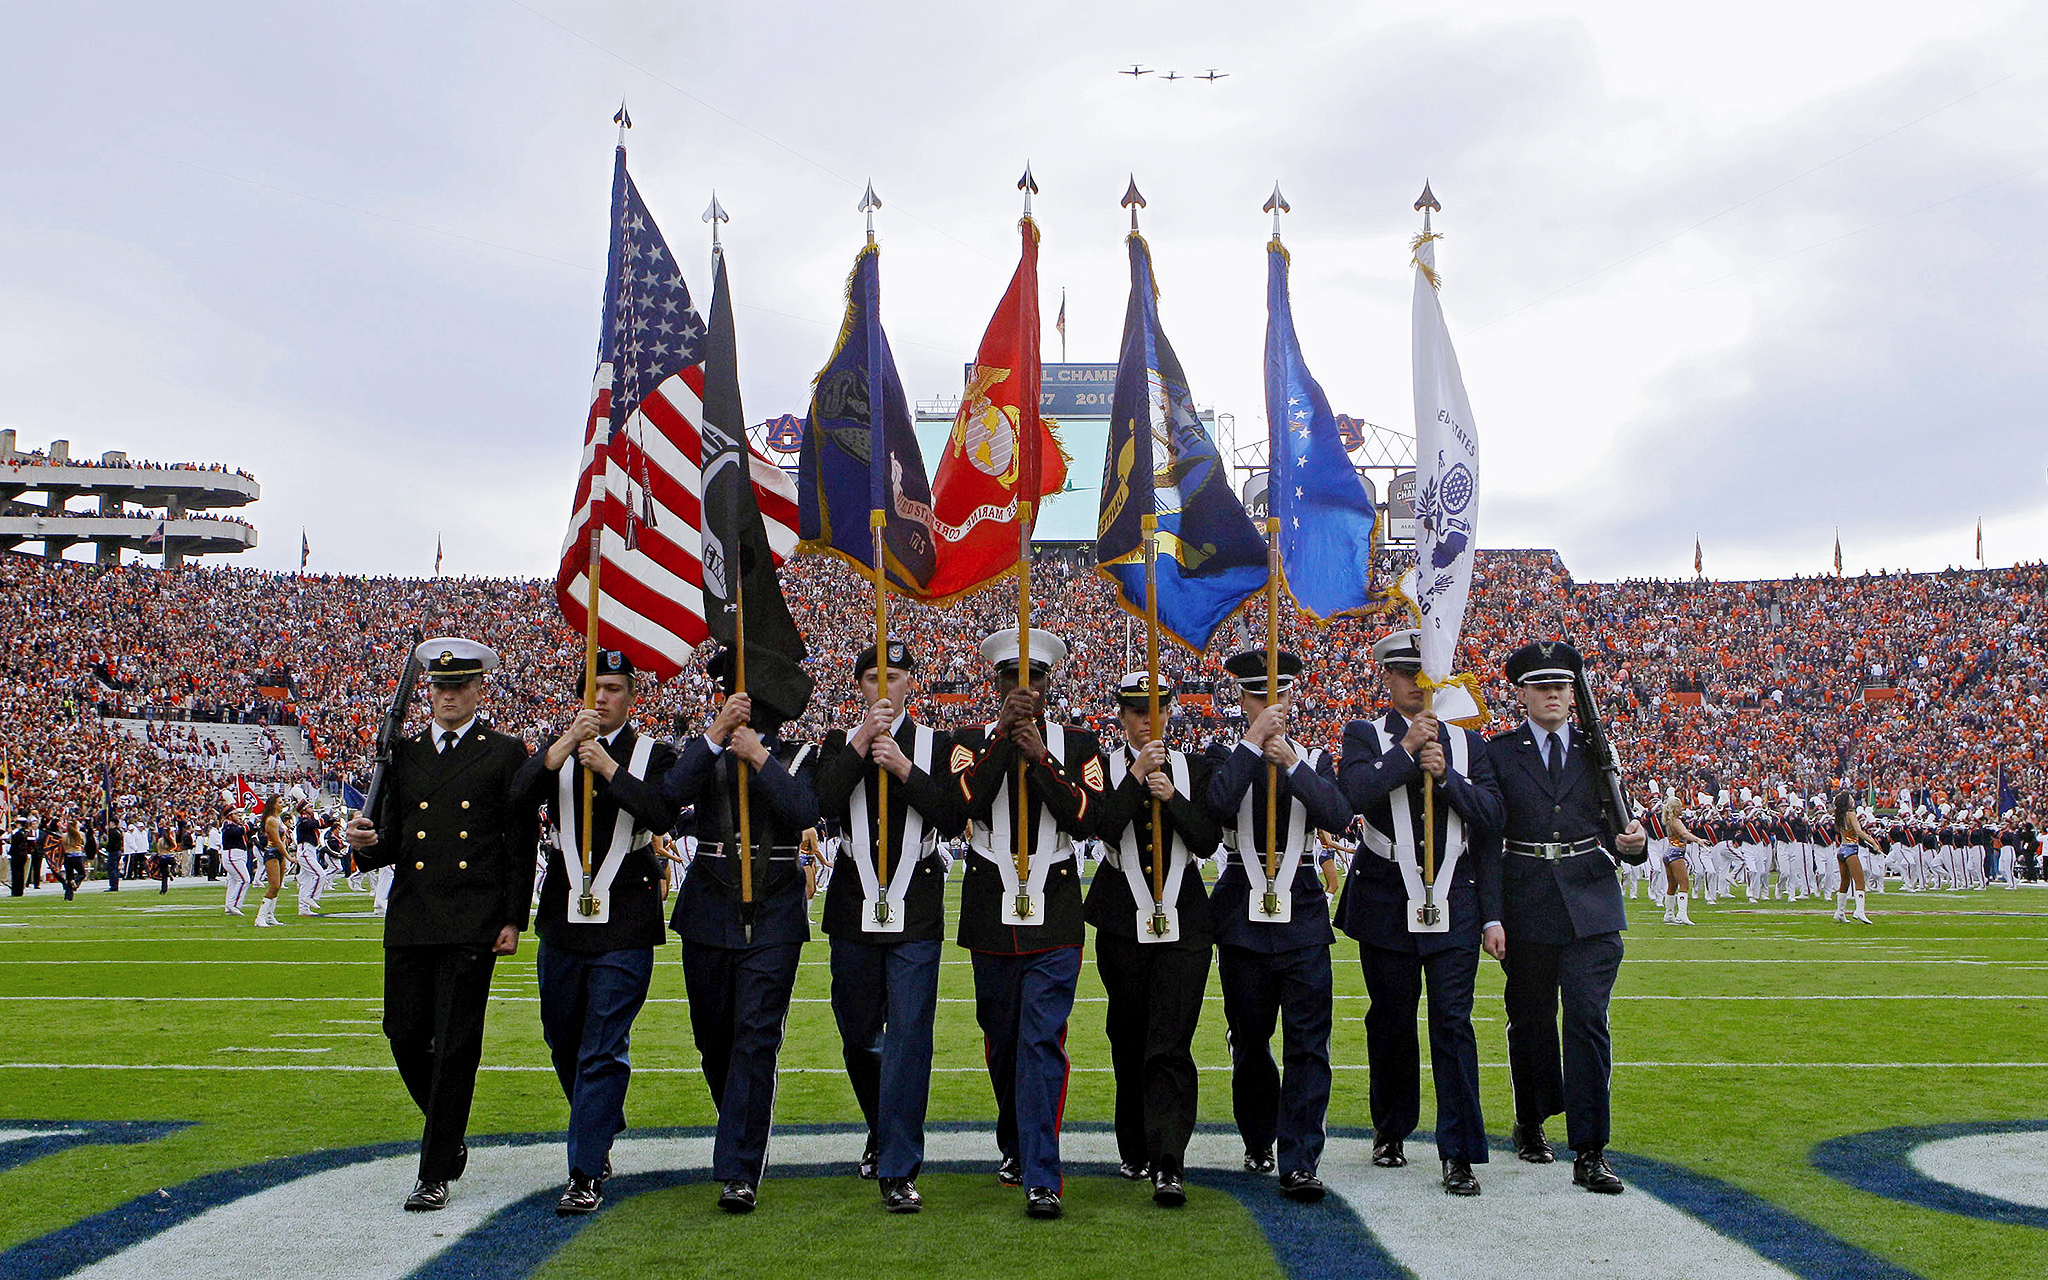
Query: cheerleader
[[276, 849], [1677, 873], [1849, 839]]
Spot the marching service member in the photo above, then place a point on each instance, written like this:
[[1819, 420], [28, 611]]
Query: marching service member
[[1153, 938], [740, 953], [462, 858], [1554, 915], [1273, 930], [885, 911], [600, 918], [1387, 762], [1020, 908]]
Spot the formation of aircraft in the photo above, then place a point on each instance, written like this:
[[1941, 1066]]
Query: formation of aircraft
[[1212, 75]]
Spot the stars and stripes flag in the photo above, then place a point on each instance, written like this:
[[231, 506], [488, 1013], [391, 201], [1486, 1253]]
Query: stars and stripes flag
[[305, 551], [155, 540], [437, 555], [1838, 553], [640, 480]]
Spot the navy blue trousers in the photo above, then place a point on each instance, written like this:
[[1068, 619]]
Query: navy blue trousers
[[434, 1003], [587, 1007], [739, 1001], [1154, 1002], [1580, 975], [1022, 1004], [1293, 989], [1393, 982], [885, 998]]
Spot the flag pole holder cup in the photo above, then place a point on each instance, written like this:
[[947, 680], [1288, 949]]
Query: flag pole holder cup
[[1271, 906], [1429, 915], [1024, 906], [587, 904], [882, 912]]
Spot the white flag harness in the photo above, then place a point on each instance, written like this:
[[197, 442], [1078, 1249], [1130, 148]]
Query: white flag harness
[[614, 855], [1401, 849], [1131, 859], [1293, 840], [914, 844], [1000, 843]]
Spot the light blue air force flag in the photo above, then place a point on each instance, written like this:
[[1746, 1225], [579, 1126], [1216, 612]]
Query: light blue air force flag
[[1326, 516], [1446, 476]]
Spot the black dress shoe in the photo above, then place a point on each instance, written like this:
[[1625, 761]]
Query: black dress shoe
[[1387, 1153], [1302, 1187], [1010, 1172], [870, 1160], [1530, 1144], [1260, 1161], [582, 1195], [899, 1195], [1131, 1172], [1458, 1179], [1042, 1202], [1167, 1191], [1591, 1171], [738, 1197], [427, 1197]]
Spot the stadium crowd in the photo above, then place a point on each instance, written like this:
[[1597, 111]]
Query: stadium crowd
[[1928, 683]]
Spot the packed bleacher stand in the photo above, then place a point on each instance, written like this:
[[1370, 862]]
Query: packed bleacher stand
[[1923, 681]]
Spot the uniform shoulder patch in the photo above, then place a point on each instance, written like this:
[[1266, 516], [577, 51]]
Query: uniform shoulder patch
[[1091, 773], [961, 760]]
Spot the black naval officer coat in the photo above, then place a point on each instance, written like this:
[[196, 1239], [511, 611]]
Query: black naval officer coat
[[1537, 900], [781, 806], [938, 803], [1069, 789], [1110, 906], [1242, 769], [460, 848], [636, 915], [1374, 905]]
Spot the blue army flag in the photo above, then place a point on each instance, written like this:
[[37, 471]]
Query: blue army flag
[[860, 453], [1160, 461], [1326, 516]]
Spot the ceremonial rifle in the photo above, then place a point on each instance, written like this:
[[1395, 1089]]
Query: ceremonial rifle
[[1614, 810], [394, 725]]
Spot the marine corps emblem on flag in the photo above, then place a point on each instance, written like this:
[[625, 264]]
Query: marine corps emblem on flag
[[986, 432]]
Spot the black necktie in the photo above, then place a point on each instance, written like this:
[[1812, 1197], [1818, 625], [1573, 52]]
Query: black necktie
[[1556, 760], [448, 740]]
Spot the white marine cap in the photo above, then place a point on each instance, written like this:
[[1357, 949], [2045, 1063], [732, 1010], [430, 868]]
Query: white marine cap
[[453, 660], [1000, 648]]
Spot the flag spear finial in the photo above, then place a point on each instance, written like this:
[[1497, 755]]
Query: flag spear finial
[[869, 202], [1277, 205], [1133, 201], [1029, 186], [715, 213], [1426, 204], [622, 119]]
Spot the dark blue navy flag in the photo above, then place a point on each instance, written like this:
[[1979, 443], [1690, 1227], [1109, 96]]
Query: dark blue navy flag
[[1326, 517], [860, 454], [1160, 461]]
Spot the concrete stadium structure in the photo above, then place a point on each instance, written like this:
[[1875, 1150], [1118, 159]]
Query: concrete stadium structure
[[167, 497]]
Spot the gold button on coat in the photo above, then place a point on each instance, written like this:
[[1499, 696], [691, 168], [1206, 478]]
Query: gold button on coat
[[423, 804], [419, 866], [462, 866], [419, 835], [465, 804], [463, 834]]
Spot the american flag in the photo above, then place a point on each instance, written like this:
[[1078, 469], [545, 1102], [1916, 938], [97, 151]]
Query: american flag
[[640, 476]]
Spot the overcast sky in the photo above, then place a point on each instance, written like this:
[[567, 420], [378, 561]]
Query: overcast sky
[[1755, 272]]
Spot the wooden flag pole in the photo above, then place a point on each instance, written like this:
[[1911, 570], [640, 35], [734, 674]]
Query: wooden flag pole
[[1149, 524], [878, 520], [587, 904], [739, 686], [1021, 783], [1272, 902]]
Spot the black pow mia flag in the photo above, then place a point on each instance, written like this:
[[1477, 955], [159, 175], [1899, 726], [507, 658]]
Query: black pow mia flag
[[738, 564]]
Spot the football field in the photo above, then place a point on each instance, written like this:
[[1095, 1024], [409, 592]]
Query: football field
[[183, 1094]]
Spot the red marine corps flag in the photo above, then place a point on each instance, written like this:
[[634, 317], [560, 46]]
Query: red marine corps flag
[[981, 476]]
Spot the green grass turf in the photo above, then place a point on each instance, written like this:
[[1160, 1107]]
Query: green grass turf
[[314, 986]]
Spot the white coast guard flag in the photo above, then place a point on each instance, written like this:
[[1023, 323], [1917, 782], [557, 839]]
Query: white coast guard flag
[[1446, 476]]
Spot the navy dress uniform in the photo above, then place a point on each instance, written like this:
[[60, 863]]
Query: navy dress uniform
[[1152, 948], [462, 854], [1553, 892], [1274, 938], [887, 933], [739, 957], [1023, 926], [1401, 953], [598, 930]]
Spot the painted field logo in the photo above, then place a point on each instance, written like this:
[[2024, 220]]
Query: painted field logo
[[1377, 1224]]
